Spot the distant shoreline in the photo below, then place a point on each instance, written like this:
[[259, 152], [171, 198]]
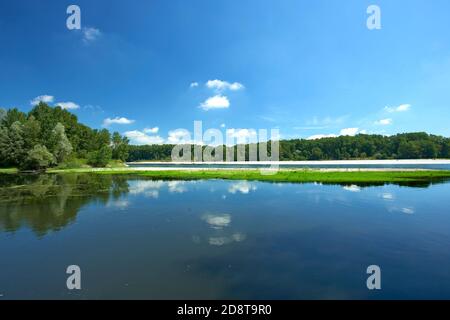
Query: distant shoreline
[[305, 163]]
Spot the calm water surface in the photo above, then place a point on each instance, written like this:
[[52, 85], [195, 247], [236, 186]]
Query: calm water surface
[[138, 238]]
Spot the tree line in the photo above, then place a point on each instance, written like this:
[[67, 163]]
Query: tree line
[[418, 145], [51, 136]]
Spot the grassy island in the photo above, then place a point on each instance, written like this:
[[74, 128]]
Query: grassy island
[[283, 175]]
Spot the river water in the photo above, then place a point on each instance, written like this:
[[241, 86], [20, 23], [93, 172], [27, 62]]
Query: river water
[[137, 238]]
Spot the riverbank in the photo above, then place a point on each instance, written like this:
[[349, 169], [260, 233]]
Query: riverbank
[[282, 175], [304, 163]]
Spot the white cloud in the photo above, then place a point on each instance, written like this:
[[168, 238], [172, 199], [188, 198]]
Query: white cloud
[[383, 122], [219, 101], [349, 132], [179, 136], [217, 221], [388, 196], [352, 188], [44, 98], [148, 188], [117, 120], [140, 138], [151, 130], [243, 187], [400, 108], [221, 85], [236, 86], [194, 84], [409, 210], [344, 132], [177, 186], [90, 34], [321, 136], [68, 105], [216, 102], [49, 99], [406, 210], [223, 125]]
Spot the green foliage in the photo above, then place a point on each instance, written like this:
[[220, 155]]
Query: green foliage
[[150, 152], [73, 163], [316, 153], [120, 147], [38, 158], [59, 132], [446, 149], [13, 115], [4, 147], [101, 157], [60, 143], [31, 132], [15, 149], [2, 114], [402, 146]]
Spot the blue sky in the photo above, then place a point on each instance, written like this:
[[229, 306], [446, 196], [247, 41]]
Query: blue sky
[[309, 68]]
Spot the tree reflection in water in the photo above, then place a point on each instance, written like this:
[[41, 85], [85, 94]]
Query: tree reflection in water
[[50, 202]]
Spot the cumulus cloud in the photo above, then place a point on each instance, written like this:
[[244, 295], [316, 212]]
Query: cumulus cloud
[[140, 138], [243, 187], [220, 85], [148, 188], [349, 132], [352, 188], [400, 108], [344, 132], [151, 130], [194, 84], [217, 221], [68, 105], [383, 122], [49, 99], [44, 98], [179, 136], [90, 34], [117, 120], [216, 102], [177, 186], [388, 196], [321, 136]]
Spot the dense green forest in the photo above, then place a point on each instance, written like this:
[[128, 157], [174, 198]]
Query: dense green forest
[[47, 137], [418, 145]]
